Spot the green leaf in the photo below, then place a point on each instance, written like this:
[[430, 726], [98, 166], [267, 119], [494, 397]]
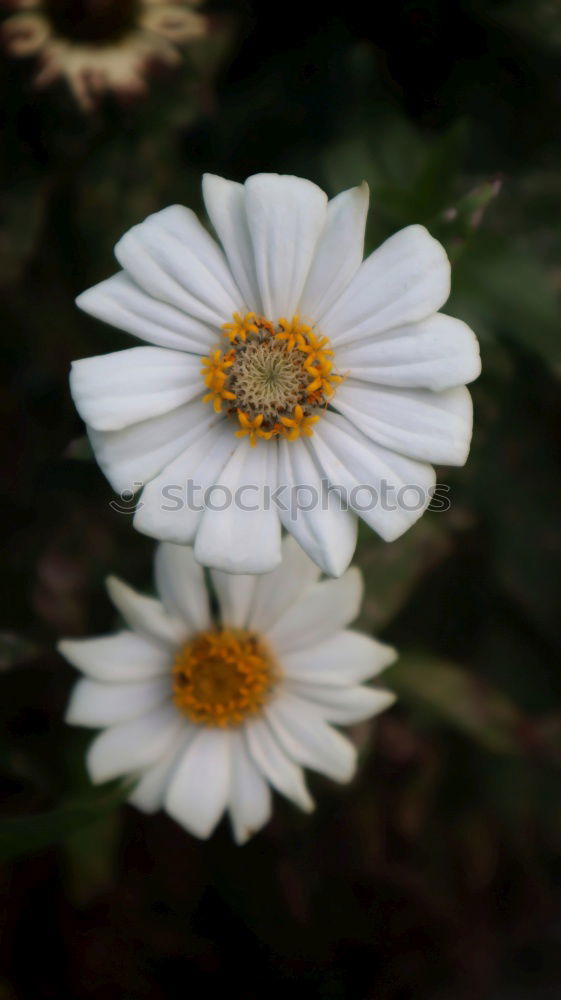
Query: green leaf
[[445, 692], [411, 178], [22, 210], [20, 835], [90, 857], [501, 289], [80, 449], [391, 572], [463, 218], [16, 650]]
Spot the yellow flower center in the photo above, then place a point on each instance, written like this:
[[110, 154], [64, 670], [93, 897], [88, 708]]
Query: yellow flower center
[[222, 676], [275, 378], [93, 22]]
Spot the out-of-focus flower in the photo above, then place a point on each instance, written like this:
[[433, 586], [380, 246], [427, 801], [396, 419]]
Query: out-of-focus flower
[[282, 360], [100, 45], [207, 715]]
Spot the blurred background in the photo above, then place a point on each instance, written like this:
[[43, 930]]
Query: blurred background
[[437, 874]]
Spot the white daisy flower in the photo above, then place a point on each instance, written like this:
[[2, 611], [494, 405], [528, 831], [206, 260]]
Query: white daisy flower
[[280, 359], [210, 714], [100, 45]]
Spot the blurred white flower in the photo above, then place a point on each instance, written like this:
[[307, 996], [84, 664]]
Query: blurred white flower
[[280, 358], [209, 714], [100, 45]]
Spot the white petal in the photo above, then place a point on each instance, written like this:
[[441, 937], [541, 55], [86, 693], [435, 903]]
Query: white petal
[[324, 609], [309, 740], [279, 590], [173, 23], [390, 492], [95, 704], [314, 515], [346, 705], [430, 426], [25, 34], [146, 615], [250, 795], [172, 504], [150, 792], [225, 204], [120, 302], [133, 456], [134, 745], [235, 593], [180, 582], [123, 656], [338, 254], [271, 760], [437, 353], [406, 280], [286, 216], [199, 790], [344, 658], [111, 391], [173, 258], [242, 533]]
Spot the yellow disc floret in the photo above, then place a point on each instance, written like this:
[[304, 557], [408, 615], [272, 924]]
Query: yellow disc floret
[[240, 327], [252, 428], [222, 676], [275, 379], [215, 375], [298, 424]]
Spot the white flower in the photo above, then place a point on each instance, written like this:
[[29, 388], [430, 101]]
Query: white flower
[[318, 368], [209, 715], [100, 45]]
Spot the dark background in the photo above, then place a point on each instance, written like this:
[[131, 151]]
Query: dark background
[[437, 874]]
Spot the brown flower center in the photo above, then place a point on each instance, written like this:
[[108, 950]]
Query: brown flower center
[[222, 676], [93, 22], [277, 378]]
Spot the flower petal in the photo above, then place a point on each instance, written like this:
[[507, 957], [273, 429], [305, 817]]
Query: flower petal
[[437, 353], [120, 302], [324, 609], [285, 586], [171, 22], [146, 615], [315, 515], [97, 705], [286, 217], [250, 795], [308, 739], [225, 204], [403, 281], [150, 792], [389, 491], [134, 455], [430, 426], [271, 760], [241, 533], [25, 34], [199, 790], [235, 593], [172, 504], [111, 391], [346, 705], [338, 253], [173, 258], [341, 659], [134, 745], [180, 582], [122, 657]]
